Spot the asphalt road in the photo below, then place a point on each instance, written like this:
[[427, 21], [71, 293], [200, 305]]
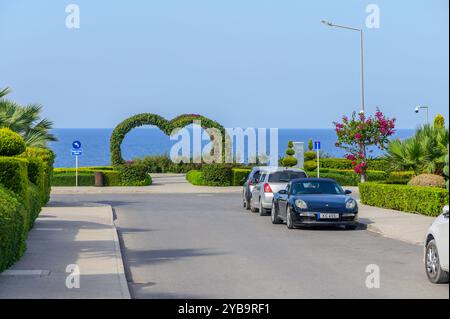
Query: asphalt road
[[208, 246]]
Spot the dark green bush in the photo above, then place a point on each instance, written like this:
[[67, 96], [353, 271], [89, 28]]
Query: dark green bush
[[48, 157], [310, 156], [217, 174], [69, 179], [134, 174], [423, 200], [163, 164], [14, 175], [66, 176], [12, 227], [35, 203], [378, 164], [290, 152], [11, 143], [239, 175], [36, 175]]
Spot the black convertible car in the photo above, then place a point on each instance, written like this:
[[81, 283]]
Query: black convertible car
[[314, 201]]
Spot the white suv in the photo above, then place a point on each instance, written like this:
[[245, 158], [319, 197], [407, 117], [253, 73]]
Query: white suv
[[436, 249]]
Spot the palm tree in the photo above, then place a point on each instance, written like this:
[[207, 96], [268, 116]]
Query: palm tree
[[424, 152], [26, 120], [4, 91]]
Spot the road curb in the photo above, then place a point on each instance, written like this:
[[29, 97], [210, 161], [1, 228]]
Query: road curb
[[119, 259]]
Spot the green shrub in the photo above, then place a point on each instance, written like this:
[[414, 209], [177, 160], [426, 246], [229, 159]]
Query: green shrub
[[36, 175], [12, 227], [423, 200], [133, 174], [69, 179], [430, 180], [163, 164], [310, 156], [239, 176], [11, 143], [399, 177], [14, 175], [310, 166], [35, 203], [48, 157], [310, 144], [217, 174], [289, 161], [378, 164], [350, 178], [195, 177]]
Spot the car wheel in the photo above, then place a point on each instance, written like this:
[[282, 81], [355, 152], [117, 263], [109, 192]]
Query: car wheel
[[262, 210], [432, 264], [252, 209], [274, 215], [289, 221]]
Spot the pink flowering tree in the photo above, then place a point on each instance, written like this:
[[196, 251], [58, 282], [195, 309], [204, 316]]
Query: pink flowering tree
[[357, 133]]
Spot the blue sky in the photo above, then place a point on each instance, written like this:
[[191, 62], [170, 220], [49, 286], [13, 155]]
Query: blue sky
[[243, 63]]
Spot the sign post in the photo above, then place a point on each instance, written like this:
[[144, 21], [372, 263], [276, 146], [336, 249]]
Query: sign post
[[317, 148], [76, 151]]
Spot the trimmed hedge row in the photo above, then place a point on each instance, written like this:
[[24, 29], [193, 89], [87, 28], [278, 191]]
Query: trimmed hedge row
[[239, 176], [195, 177], [86, 176], [12, 228], [24, 189], [423, 200], [378, 164]]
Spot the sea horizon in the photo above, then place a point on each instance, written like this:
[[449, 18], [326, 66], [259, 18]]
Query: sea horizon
[[148, 141]]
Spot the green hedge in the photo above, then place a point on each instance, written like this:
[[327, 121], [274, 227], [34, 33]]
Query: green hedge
[[133, 174], [239, 175], [14, 175], [195, 177], [12, 228], [378, 164], [69, 179], [423, 200], [66, 176], [48, 158], [11, 143], [217, 174]]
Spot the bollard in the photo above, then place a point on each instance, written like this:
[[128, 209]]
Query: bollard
[[98, 179]]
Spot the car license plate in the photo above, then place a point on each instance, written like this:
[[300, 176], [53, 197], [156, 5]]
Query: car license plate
[[328, 216]]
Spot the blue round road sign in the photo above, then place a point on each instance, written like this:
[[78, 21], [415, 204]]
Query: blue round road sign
[[76, 145]]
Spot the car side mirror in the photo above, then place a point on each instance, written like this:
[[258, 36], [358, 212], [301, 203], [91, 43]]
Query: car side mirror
[[348, 192], [283, 192]]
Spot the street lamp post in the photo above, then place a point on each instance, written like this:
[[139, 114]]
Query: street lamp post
[[361, 53], [363, 147], [417, 109]]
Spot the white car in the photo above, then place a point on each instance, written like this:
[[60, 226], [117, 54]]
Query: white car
[[436, 249]]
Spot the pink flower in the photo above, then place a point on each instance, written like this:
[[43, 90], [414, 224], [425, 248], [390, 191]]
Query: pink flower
[[358, 136], [351, 157]]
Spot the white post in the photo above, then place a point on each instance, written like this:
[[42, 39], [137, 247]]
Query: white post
[[318, 163], [76, 171]]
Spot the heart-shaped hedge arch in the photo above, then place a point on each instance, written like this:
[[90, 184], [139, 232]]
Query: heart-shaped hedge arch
[[164, 125]]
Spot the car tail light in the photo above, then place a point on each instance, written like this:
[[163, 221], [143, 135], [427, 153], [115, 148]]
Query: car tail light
[[267, 188]]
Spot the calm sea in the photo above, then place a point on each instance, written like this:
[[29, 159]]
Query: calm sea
[[151, 141]]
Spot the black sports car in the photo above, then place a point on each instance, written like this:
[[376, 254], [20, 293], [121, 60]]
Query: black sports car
[[314, 201]]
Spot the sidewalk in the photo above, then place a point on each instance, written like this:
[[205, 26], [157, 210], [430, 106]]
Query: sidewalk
[[407, 227], [62, 236]]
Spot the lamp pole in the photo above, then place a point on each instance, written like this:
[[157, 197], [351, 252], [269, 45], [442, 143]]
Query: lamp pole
[[361, 55]]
